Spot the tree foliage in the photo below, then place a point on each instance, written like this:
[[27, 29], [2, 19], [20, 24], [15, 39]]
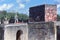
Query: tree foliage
[[58, 17], [12, 14]]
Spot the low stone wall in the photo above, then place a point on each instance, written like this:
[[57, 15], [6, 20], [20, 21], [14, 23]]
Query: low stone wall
[[30, 31], [1, 33], [41, 31]]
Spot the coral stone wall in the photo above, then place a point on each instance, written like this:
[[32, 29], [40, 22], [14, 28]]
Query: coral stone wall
[[50, 13]]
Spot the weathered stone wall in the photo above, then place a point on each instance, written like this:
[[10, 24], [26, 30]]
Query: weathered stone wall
[[1, 32], [41, 31], [11, 31], [31, 31]]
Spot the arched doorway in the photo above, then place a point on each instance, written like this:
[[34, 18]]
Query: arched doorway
[[18, 35]]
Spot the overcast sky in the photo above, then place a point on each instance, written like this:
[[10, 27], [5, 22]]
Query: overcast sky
[[23, 6]]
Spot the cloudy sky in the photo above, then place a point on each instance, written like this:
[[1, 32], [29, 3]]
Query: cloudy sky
[[23, 6]]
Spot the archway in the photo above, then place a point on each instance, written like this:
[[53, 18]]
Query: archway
[[18, 35]]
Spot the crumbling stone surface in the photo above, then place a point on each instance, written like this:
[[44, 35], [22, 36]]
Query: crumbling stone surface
[[9, 31], [1, 33], [41, 31], [31, 31]]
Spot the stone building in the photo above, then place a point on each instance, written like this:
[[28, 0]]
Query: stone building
[[35, 29], [14, 31], [46, 12], [30, 31]]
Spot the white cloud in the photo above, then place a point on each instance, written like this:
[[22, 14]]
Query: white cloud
[[58, 3], [21, 5], [27, 0], [22, 1], [5, 6], [57, 0], [58, 6], [9, 6], [1, 0], [18, 1]]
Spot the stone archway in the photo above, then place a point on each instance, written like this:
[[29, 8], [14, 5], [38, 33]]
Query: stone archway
[[18, 34]]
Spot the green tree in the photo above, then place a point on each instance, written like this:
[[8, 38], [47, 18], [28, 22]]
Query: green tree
[[12, 14], [23, 16], [58, 17], [3, 14]]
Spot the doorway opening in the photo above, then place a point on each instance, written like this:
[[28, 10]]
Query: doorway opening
[[18, 34]]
